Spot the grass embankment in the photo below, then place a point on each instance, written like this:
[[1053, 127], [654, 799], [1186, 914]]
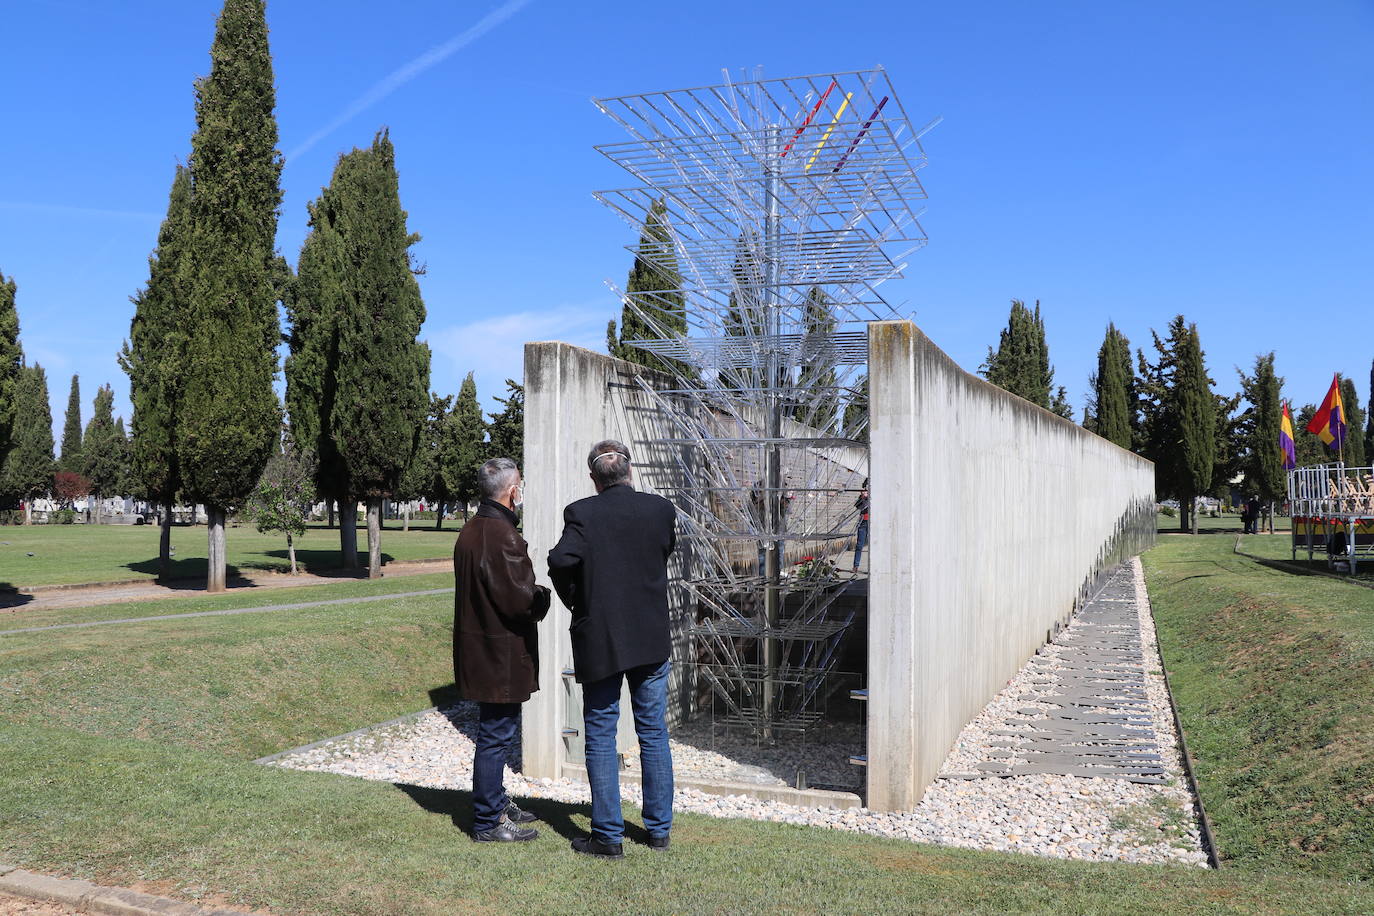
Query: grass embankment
[[73, 554], [1280, 547], [125, 759], [1273, 673]]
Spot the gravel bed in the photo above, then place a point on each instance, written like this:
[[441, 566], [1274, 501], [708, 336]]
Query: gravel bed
[[1060, 816]]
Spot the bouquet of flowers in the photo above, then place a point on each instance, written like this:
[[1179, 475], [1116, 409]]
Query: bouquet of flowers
[[814, 568]]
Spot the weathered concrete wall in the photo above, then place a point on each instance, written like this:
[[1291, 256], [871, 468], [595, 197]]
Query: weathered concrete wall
[[991, 519], [573, 399]]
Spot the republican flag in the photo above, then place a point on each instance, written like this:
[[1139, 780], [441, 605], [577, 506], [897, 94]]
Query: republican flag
[[1329, 423], [1290, 455]]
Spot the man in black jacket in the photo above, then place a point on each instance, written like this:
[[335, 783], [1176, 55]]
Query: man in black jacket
[[497, 606], [610, 568]]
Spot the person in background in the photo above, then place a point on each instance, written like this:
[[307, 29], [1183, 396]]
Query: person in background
[[861, 536]]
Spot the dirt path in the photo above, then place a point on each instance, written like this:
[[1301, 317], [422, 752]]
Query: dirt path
[[56, 597]]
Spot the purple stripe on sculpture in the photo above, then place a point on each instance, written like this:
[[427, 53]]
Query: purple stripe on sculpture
[[859, 136]]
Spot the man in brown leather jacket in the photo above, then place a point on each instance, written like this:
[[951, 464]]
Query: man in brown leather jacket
[[497, 606]]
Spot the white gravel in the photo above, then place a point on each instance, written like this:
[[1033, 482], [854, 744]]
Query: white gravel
[[1060, 816]]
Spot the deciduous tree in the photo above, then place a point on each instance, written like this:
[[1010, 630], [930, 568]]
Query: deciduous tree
[[284, 495], [228, 418]]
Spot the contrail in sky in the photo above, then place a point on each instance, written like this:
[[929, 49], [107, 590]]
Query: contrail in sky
[[405, 74]]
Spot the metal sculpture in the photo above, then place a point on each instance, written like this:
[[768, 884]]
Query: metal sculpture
[[776, 202]]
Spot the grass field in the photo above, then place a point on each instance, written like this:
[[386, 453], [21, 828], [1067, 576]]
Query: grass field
[[1273, 673], [126, 754], [71, 554]]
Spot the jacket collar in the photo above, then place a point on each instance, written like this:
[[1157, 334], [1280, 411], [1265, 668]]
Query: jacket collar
[[490, 508], [623, 487]]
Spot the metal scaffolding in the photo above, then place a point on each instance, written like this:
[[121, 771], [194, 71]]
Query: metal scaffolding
[[1332, 507], [777, 207]]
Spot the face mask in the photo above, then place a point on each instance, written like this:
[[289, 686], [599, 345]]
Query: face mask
[[519, 502]]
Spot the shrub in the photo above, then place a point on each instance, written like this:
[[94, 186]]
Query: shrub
[[62, 517], [1168, 511]]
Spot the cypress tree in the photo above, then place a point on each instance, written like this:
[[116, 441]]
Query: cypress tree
[[1261, 461], [1196, 407], [1369, 418], [507, 428], [382, 370], [9, 361], [1113, 396], [1021, 362], [464, 445], [312, 305], [71, 431], [228, 418], [1159, 421], [102, 451], [1306, 446], [154, 359], [421, 478], [655, 271], [29, 466], [818, 372], [1355, 455]]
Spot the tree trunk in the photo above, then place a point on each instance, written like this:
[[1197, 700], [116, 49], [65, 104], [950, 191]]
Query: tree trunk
[[215, 566], [28, 512], [330, 504], [374, 538], [291, 551], [348, 533], [439, 516], [95, 512], [164, 544], [405, 525], [465, 512], [1193, 514]]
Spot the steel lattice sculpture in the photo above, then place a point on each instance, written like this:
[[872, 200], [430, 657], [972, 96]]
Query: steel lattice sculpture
[[777, 203]]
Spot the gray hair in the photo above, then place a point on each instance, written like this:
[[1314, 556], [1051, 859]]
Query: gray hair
[[610, 462], [496, 476]]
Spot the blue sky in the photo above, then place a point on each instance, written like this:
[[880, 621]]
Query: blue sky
[[1123, 161]]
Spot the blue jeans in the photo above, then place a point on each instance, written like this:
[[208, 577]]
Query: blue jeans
[[860, 542], [600, 715], [496, 724]]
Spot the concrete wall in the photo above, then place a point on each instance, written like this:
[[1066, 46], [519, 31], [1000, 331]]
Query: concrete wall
[[991, 520], [573, 399]]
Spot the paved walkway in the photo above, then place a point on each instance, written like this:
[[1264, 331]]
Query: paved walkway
[[49, 597], [297, 606], [1098, 720]]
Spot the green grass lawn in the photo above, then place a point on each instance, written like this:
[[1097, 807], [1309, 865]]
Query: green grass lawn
[[71, 554], [1222, 523], [1273, 673], [125, 758]]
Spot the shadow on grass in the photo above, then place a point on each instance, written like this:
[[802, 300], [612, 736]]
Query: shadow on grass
[[10, 596], [185, 573], [1303, 567], [555, 815]]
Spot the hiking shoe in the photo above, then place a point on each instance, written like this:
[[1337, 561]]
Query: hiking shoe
[[658, 842], [518, 815], [591, 846]]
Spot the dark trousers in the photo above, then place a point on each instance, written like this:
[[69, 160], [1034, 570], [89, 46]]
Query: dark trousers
[[496, 725]]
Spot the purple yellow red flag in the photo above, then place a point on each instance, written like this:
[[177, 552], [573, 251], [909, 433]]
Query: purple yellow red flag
[[1329, 422], [1290, 454]]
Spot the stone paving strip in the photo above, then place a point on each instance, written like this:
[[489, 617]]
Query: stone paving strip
[[71, 895], [298, 606], [1107, 805]]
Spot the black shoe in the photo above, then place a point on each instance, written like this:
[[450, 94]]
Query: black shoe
[[591, 846], [506, 832], [658, 842], [517, 815]]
